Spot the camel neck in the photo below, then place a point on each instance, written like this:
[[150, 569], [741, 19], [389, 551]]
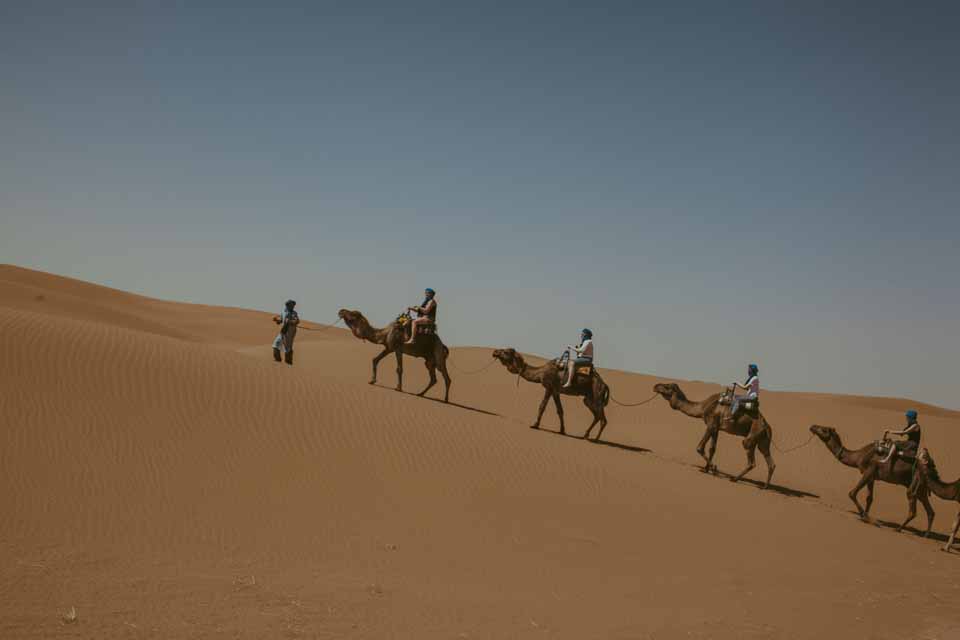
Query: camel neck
[[944, 490], [692, 409], [379, 335], [365, 331], [841, 453], [530, 374]]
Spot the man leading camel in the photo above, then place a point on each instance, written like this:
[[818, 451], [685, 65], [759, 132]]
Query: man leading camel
[[426, 313], [584, 353], [288, 321]]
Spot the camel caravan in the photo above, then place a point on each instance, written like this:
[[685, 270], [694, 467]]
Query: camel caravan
[[898, 462]]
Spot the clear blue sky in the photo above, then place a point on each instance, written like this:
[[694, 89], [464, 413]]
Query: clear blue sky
[[704, 184]]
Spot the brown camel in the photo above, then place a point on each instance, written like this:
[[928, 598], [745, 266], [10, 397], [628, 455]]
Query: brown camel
[[595, 392], [868, 461], [756, 432], [945, 490], [393, 340]]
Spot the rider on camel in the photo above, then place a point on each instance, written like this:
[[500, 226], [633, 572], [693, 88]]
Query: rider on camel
[[426, 313], [751, 386], [911, 445], [584, 353]]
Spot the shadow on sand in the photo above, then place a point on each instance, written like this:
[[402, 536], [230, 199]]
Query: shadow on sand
[[439, 400], [893, 526], [604, 443], [782, 490]]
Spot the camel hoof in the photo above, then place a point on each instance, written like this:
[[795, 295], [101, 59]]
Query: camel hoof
[[534, 426], [372, 382]]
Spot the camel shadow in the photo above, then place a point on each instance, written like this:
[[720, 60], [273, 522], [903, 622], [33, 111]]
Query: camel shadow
[[459, 406], [893, 526], [777, 488], [439, 400], [604, 443], [618, 445]]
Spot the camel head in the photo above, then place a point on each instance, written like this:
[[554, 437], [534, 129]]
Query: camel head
[[510, 359], [354, 321], [670, 391], [824, 433]]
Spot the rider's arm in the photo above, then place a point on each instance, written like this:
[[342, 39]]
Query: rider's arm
[[904, 432]]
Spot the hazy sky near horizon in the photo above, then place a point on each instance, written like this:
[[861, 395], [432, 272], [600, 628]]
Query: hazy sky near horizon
[[703, 184]]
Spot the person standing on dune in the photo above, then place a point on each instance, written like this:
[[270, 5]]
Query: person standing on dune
[[288, 321]]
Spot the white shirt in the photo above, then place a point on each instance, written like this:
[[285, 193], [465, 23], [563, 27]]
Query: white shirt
[[585, 350]]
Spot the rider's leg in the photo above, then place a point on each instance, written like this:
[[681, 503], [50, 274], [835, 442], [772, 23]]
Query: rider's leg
[[413, 329], [893, 450], [734, 405], [571, 364]]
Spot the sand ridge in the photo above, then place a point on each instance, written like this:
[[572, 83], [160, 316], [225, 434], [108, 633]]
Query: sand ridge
[[159, 473]]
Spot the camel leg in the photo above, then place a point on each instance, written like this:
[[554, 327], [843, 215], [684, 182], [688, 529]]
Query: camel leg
[[702, 447], [911, 512], [865, 479], [596, 419], [956, 525], [543, 407], [925, 501], [869, 501], [442, 363], [556, 401], [752, 436], [764, 446], [376, 361], [714, 437], [603, 418], [751, 463], [432, 370], [399, 353]]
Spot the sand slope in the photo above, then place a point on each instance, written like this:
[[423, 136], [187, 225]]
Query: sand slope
[[159, 473]]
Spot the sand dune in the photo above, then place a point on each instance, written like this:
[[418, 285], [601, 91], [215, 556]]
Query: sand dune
[[162, 476]]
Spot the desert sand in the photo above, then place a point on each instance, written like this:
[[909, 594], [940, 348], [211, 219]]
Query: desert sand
[[162, 477]]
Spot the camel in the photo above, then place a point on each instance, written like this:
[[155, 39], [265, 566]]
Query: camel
[[595, 392], [868, 461], [945, 490], [756, 432], [393, 340]]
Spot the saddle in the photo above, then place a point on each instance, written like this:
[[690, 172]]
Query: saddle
[[906, 455], [423, 329], [582, 373], [749, 407]]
